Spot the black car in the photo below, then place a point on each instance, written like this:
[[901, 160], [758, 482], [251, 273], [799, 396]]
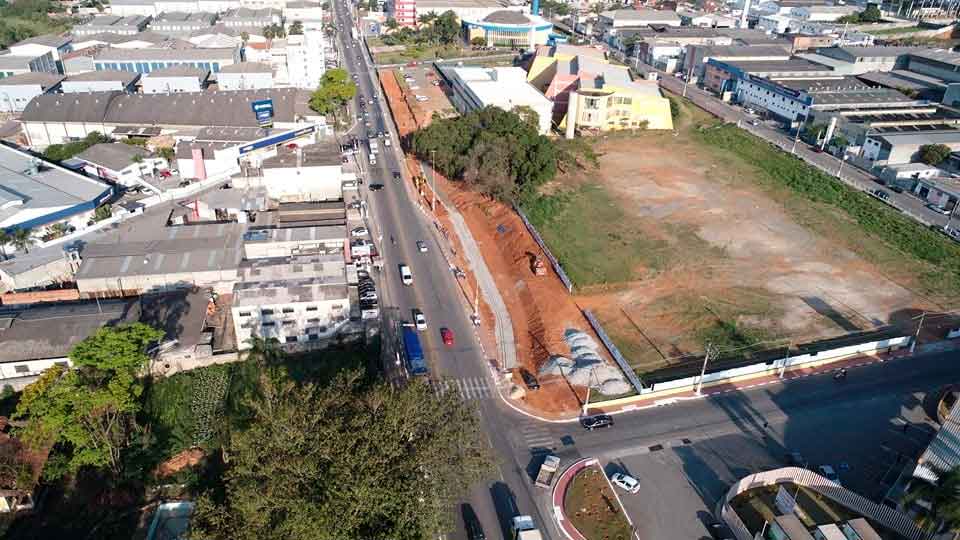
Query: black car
[[529, 380], [719, 530], [895, 188], [471, 523], [376, 187], [596, 421], [396, 175]]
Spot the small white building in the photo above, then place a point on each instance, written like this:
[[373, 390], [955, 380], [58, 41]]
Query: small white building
[[304, 55], [11, 64], [120, 163], [308, 173], [310, 14], [823, 13], [474, 88], [56, 45], [777, 24], [17, 91], [301, 301], [175, 79], [245, 76], [623, 18], [100, 81]]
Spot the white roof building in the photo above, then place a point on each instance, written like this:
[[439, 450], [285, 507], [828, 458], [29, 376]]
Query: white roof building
[[505, 87]]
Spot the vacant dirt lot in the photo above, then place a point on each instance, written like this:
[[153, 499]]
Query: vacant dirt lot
[[691, 251]]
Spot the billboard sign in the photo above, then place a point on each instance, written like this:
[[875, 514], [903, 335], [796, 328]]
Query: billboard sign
[[263, 109]]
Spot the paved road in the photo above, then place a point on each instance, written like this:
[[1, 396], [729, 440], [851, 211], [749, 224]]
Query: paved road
[[798, 413], [824, 161]]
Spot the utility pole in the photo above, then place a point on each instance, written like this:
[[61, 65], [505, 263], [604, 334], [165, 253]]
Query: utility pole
[[840, 169], [433, 177], [913, 344], [703, 371], [786, 360], [797, 138]]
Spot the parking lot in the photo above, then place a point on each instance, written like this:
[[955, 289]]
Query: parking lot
[[423, 82]]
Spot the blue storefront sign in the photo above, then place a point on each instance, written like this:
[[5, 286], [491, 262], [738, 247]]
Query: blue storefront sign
[[263, 108]]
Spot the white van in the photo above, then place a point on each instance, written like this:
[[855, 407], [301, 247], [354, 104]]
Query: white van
[[405, 275]]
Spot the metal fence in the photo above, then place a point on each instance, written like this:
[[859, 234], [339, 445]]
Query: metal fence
[[614, 351], [553, 260], [878, 513]]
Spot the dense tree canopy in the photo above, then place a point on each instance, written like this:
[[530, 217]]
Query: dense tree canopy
[[88, 412], [934, 154], [27, 18], [335, 90], [443, 29], [349, 459], [60, 152], [497, 152]]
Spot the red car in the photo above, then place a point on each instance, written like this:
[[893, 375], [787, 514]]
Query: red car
[[165, 174], [447, 336]]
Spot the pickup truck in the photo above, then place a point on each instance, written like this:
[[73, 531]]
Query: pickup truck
[[547, 472]]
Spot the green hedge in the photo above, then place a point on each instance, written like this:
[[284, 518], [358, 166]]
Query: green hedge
[[885, 224]]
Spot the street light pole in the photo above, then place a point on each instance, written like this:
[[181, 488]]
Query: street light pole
[[433, 178], [797, 138], [913, 344], [840, 169]]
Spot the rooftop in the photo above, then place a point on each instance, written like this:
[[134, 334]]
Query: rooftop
[[247, 67], [330, 268], [50, 331], [200, 17], [924, 137], [286, 291], [792, 65], [160, 54], [50, 40], [220, 108], [45, 80], [247, 13], [872, 51], [903, 79], [507, 17], [51, 187], [12, 61], [115, 20], [179, 71], [337, 233], [641, 15], [113, 156], [740, 51], [938, 55], [432, 4], [304, 4], [504, 86], [325, 153], [125, 77]]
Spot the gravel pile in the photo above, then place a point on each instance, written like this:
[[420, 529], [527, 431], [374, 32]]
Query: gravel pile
[[586, 367]]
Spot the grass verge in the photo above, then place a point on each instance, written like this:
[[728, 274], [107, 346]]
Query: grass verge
[[936, 259], [593, 509]]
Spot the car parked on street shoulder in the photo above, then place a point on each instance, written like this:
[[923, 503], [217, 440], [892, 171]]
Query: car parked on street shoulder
[[421, 246], [529, 380], [447, 335], [596, 421], [419, 319], [360, 231], [625, 482]]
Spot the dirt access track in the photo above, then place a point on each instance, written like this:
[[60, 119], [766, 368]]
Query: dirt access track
[[540, 307]]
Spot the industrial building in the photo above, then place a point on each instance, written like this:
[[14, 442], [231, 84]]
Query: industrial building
[[696, 56], [112, 24], [474, 88], [306, 173], [54, 44], [11, 64], [855, 124], [245, 76], [54, 119], [175, 79], [36, 194], [180, 23], [612, 20], [100, 81], [287, 242], [942, 64], [18, 90], [891, 146], [147, 60], [250, 18]]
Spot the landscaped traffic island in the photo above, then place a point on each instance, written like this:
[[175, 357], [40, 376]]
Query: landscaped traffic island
[[593, 509]]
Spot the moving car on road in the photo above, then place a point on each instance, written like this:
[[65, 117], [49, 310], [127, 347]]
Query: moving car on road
[[547, 472], [419, 319], [406, 276], [421, 246], [625, 482], [360, 231], [447, 335], [596, 421], [376, 187]]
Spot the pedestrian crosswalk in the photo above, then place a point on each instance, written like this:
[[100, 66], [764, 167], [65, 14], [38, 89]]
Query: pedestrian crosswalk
[[469, 388], [537, 435]]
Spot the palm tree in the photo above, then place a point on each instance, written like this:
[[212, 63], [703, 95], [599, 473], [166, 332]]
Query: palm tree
[[427, 18], [943, 496], [5, 238], [23, 239]]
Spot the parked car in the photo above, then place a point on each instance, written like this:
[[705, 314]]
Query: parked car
[[895, 188], [625, 482], [376, 187], [419, 319], [719, 530], [421, 246], [360, 231], [596, 421], [447, 335], [529, 380], [396, 175], [422, 98], [880, 194]]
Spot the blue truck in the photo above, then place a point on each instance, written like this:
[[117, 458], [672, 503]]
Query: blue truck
[[416, 363]]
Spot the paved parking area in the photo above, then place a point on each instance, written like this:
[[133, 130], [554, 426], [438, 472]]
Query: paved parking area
[[422, 84], [682, 480]]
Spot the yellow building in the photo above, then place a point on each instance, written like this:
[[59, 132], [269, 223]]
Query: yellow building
[[595, 94]]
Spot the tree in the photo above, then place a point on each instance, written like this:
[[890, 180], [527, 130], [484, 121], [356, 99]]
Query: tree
[[22, 239], [934, 154], [943, 496], [167, 153], [335, 90], [426, 18], [88, 412], [350, 459], [392, 24], [871, 14], [446, 28], [478, 41], [244, 37], [5, 239], [296, 28]]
